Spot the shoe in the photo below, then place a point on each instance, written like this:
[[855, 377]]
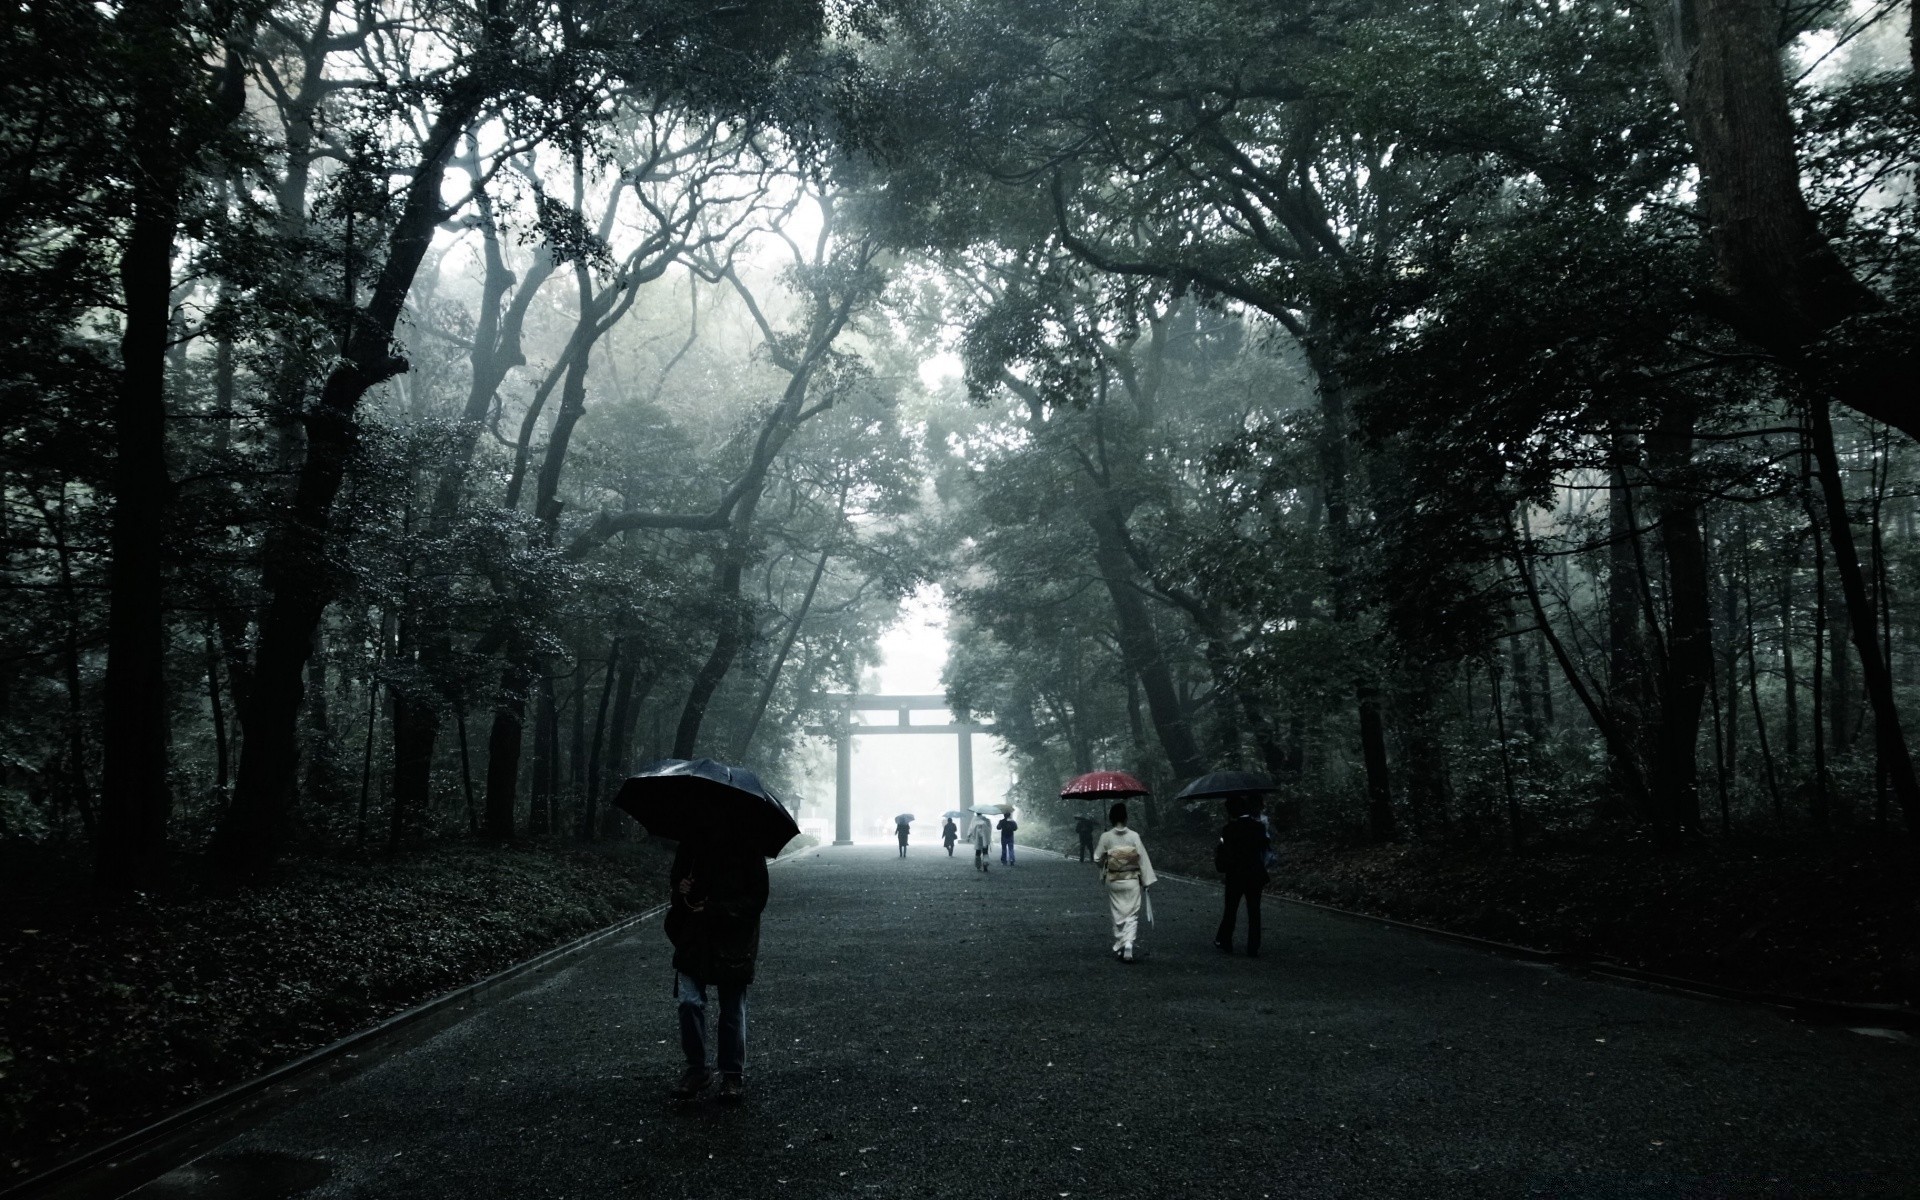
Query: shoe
[[692, 1083], [1126, 955], [733, 1089]]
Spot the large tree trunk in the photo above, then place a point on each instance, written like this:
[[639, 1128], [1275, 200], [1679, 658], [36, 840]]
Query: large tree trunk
[[780, 659], [1140, 645], [730, 635], [1673, 776], [1784, 286], [1336, 486], [1628, 677], [134, 800], [1896, 761], [503, 748], [546, 746], [294, 572], [590, 799]]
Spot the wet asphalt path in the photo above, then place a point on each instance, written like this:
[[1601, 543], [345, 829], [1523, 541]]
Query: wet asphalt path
[[920, 1030]]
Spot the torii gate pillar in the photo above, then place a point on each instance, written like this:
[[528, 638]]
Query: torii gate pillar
[[966, 768], [843, 790]]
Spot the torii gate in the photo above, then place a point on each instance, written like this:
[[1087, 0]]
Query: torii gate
[[844, 730]]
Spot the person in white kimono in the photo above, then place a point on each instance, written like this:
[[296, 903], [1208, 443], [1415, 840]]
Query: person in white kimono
[[1127, 873], [981, 835]]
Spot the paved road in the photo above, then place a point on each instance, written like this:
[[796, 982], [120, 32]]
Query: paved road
[[919, 1030]]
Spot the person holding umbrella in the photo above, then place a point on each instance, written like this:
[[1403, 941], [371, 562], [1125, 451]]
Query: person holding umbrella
[[949, 834], [1241, 858], [713, 922], [1101, 785], [981, 835], [1241, 855], [728, 824], [1007, 826], [902, 826], [1127, 872]]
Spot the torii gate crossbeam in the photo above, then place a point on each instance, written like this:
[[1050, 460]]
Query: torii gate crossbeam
[[844, 730]]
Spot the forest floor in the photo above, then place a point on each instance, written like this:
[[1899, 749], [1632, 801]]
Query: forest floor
[[1813, 921], [112, 1016]]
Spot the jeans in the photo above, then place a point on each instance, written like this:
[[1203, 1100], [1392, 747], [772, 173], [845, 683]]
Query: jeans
[[1236, 892], [692, 995], [1086, 848], [1006, 851]]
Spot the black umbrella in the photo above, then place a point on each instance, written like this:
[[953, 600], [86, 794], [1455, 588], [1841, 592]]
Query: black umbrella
[[699, 800], [1227, 783]]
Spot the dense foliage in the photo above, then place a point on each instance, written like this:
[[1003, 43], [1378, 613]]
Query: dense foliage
[[1494, 421]]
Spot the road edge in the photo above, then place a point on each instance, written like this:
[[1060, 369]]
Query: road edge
[[142, 1140]]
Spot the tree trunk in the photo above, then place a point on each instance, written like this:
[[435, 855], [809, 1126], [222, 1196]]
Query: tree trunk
[[1753, 688], [590, 800], [131, 843], [731, 623], [1674, 776], [1628, 677], [503, 748], [1889, 738], [294, 571], [466, 769], [1791, 691], [1336, 487], [217, 711], [1784, 286], [780, 659], [1140, 645], [546, 736], [1822, 805]]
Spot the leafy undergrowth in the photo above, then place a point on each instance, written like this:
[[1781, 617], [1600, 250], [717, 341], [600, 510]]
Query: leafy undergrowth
[[1834, 923], [113, 1016]]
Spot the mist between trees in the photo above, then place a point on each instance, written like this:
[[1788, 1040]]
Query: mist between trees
[[1494, 421]]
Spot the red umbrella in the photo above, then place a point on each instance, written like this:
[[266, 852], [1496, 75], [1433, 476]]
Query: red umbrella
[[1103, 783]]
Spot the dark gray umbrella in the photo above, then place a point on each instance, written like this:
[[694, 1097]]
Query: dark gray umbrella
[[699, 800], [1227, 783]]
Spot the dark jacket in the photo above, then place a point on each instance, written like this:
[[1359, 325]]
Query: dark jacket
[[1007, 826], [1242, 853], [1084, 827], [718, 943], [949, 833]]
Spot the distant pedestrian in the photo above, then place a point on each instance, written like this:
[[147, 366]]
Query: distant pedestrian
[[1241, 859], [981, 835], [1007, 826], [713, 922], [900, 830], [1127, 873], [949, 834], [1084, 827]]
